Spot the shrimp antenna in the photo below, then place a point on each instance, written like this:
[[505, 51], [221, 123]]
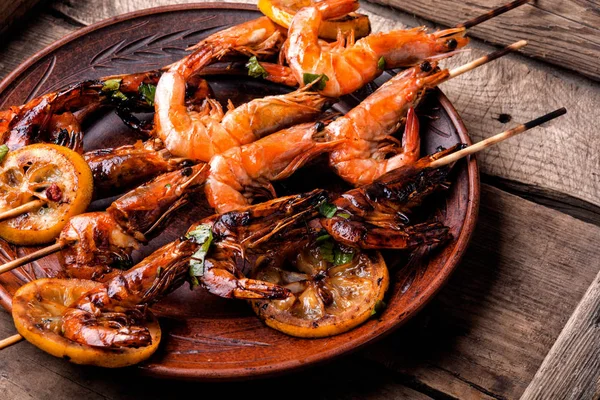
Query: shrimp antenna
[[491, 14], [484, 144]]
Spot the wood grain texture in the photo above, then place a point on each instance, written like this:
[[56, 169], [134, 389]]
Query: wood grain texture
[[11, 11], [564, 157], [487, 332], [571, 370], [28, 373], [564, 33]]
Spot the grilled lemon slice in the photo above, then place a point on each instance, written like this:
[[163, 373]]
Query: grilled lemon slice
[[282, 12], [55, 174], [327, 299], [37, 310]]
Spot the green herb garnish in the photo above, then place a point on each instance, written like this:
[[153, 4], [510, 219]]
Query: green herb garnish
[[326, 250], [3, 152], [381, 63], [147, 91], [255, 70], [341, 257], [111, 85], [168, 186], [203, 236], [327, 209], [379, 307], [309, 78], [119, 95], [323, 237], [343, 215]]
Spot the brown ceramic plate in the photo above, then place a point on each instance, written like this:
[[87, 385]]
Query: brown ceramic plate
[[208, 338]]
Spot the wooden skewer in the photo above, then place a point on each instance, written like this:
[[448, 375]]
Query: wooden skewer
[[489, 15], [32, 257], [9, 341], [485, 59], [23, 208], [484, 144]]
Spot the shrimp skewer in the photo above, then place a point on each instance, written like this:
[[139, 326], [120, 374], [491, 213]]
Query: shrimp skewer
[[371, 150], [349, 65], [241, 174], [358, 142], [238, 233]]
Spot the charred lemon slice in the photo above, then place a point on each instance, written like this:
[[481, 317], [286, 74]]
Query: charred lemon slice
[[327, 299], [282, 12], [37, 311], [57, 176]]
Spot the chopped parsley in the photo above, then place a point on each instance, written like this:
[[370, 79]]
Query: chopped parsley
[[147, 91], [3, 152], [343, 215], [341, 257], [381, 63], [256, 70], [203, 236], [111, 85], [309, 78], [323, 237], [379, 307], [326, 251], [327, 209]]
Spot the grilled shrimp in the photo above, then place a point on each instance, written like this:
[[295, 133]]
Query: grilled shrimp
[[376, 216], [201, 134], [56, 117], [105, 240], [349, 66], [127, 166], [242, 173], [371, 150], [88, 320]]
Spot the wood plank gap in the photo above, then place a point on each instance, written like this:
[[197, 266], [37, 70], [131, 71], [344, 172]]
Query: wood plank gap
[[556, 200], [58, 14]]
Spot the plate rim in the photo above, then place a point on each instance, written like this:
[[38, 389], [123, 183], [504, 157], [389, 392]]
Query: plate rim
[[389, 326]]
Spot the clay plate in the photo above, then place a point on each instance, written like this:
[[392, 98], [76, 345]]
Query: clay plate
[[207, 338]]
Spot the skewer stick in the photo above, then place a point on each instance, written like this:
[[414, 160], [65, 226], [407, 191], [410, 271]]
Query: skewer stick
[[9, 341], [23, 208], [485, 59], [484, 144], [489, 15], [36, 255]]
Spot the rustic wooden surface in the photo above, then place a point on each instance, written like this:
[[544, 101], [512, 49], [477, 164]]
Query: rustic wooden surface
[[12, 11], [574, 360], [562, 32], [492, 326]]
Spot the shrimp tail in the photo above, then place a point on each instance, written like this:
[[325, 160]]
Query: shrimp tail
[[309, 155], [220, 279]]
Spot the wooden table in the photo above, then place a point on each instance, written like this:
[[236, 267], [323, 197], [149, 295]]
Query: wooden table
[[520, 317]]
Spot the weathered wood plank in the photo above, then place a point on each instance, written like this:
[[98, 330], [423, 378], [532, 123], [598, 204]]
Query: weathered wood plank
[[11, 11], [489, 329], [571, 370], [564, 33]]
